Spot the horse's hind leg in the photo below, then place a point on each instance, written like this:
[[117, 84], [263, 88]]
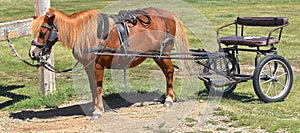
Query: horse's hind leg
[[168, 70]]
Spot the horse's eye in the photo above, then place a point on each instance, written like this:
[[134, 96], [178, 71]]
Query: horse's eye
[[42, 34]]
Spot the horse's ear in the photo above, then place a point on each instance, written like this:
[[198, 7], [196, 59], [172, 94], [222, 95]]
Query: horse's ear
[[49, 17], [34, 17], [50, 13]]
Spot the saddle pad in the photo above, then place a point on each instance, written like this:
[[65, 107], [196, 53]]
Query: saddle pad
[[103, 26]]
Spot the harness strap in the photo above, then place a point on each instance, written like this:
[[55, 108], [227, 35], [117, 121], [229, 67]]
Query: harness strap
[[51, 68], [43, 63], [103, 26], [130, 16], [123, 36], [122, 19], [168, 36]]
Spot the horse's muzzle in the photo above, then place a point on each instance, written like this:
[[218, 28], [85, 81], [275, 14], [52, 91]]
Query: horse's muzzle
[[33, 56], [34, 50]]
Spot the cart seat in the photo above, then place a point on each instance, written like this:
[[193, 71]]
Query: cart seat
[[250, 41]]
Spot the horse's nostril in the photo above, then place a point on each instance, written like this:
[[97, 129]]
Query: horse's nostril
[[32, 55]]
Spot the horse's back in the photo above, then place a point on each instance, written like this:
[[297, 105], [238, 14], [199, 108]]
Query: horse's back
[[145, 38], [160, 17], [151, 37]]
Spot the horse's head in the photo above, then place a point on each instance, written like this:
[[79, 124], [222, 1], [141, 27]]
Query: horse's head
[[45, 37]]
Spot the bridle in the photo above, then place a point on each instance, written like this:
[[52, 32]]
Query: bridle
[[52, 39], [47, 46], [42, 60]]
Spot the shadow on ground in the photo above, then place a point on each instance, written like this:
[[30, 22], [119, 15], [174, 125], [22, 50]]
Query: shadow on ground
[[115, 101], [237, 96], [243, 97], [4, 92], [111, 102]]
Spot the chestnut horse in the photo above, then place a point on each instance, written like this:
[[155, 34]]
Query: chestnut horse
[[78, 32]]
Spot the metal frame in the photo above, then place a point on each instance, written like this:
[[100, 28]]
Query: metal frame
[[235, 49]]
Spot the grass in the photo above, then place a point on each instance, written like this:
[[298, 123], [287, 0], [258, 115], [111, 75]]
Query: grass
[[20, 86], [23, 9], [242, 106]]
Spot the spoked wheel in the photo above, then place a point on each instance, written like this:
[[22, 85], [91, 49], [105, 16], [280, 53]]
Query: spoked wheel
[[233, 68], [273, 79]]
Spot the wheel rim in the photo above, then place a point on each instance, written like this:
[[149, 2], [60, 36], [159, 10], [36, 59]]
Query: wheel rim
[[274, 79]]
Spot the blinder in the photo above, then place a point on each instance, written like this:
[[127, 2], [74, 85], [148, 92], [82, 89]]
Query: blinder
[[53, 35]]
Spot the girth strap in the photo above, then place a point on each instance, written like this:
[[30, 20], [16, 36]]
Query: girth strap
[[123, 36], [168, 39]]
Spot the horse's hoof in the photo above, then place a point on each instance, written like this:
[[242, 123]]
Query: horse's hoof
[[168, 103], [96, 115]]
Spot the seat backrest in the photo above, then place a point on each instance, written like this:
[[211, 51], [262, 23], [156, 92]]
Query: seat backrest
[[261, 21]]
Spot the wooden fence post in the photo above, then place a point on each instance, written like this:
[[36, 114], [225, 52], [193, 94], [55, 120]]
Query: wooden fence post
[[47, 78]]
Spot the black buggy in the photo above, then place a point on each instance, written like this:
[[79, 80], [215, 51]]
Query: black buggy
[[272, 77]]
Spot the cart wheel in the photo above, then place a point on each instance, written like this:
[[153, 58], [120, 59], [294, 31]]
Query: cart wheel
[[272, 79], [234, 68]]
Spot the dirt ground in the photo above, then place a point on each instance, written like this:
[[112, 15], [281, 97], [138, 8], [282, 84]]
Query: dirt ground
[[186, 116], [183, 116]]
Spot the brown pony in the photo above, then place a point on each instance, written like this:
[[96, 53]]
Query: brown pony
[[78, 32]]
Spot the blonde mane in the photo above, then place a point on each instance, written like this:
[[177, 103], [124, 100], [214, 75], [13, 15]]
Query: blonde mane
[[70, 27], [36, 25]]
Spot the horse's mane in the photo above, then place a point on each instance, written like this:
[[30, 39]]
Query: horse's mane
[[36, 25], [69, 26]]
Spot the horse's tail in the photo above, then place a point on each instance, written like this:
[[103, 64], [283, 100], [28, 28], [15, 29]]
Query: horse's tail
[[182, 45], [181, 40]]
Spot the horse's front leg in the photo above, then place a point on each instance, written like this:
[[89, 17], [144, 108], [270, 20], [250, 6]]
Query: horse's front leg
[[97, 97], [90, 70]]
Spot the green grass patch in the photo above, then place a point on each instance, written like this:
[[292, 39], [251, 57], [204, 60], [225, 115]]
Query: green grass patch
[[221, 129], [190, 119]]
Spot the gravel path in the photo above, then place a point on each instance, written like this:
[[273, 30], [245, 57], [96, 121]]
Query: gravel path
[[139, 117]]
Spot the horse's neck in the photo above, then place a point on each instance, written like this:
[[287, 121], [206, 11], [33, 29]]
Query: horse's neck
[[70, 26]]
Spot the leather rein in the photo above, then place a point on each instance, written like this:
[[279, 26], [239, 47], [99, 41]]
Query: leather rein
[[42, 60]]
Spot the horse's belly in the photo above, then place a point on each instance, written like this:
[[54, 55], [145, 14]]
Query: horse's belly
[[120, 62], [146, 41]]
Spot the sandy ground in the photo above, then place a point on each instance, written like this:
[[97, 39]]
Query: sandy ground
[[186, 116], [183, 116]]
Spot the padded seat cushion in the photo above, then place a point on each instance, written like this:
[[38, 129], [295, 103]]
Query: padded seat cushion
[[250, 41], [261, 21]]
